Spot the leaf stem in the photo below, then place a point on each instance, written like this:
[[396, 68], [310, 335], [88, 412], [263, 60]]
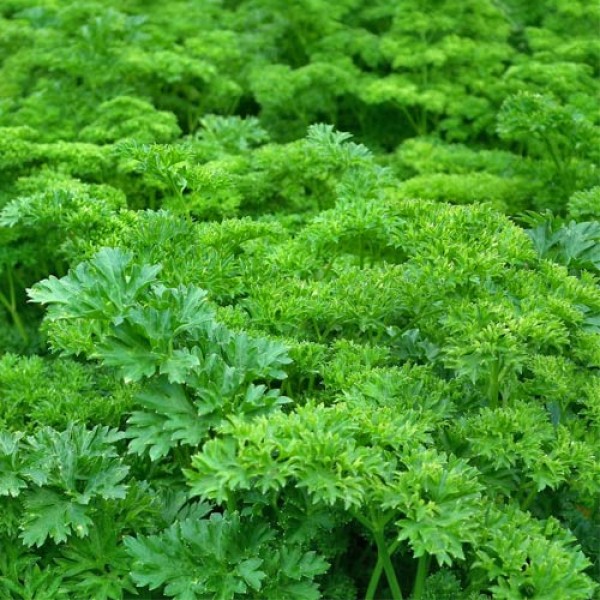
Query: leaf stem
[[553, 154], [409, 118], [377, 526], [422, 568], [387, 564], [11, 307], [374, 580], [377, 571], [530, 498]]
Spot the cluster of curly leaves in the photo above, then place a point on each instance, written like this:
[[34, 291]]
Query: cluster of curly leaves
[[394, 396], [286, 366]]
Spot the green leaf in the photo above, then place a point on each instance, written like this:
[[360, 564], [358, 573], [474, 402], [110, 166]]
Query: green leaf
[[11, 479], [170, 419], [100, 289], [249, 570], [68, 473], [50, 515]]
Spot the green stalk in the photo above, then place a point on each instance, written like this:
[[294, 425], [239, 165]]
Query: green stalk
[[11, 307], [374, 580], [175, 189], [422, 568], [530, 498], [317, 330], [390, 574], [377, 527], [377, 571], [410, 120], [14, 315], [553, 154], [560, 162]]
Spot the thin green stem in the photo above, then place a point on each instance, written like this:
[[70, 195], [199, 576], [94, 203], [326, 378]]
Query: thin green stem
[[553, 154], [374, 580], [363, 521], [317, 330], [377, 572], [11, 306], [530, 498], [377, 526], [422, 568], [11, 288], [388, 567], [409, 118], [5, 302], [16, 317]]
